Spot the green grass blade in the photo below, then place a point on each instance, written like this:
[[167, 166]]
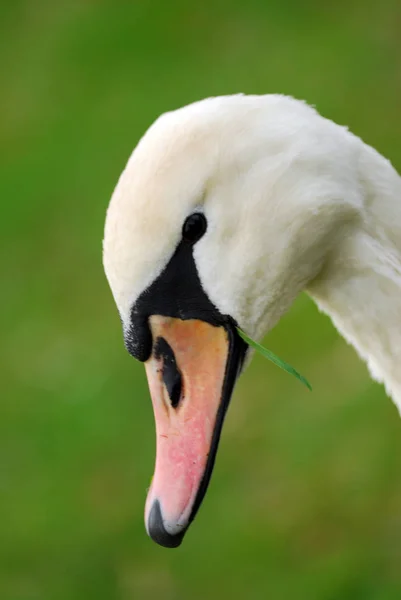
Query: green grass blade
[[274, 359]]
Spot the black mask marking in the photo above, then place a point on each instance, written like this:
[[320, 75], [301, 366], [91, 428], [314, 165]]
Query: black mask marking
[[177, 292]]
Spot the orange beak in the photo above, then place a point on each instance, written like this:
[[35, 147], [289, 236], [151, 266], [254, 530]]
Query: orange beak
[[191, 373]]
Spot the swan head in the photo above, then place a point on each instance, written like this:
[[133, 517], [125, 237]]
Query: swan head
[[225, 211]]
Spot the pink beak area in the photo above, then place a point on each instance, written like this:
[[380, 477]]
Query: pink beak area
[[186, 375]]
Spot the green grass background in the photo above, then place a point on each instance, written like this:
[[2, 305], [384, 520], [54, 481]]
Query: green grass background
[[305, 501]]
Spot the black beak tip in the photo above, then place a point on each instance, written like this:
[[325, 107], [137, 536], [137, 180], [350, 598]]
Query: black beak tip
[[157, 531]]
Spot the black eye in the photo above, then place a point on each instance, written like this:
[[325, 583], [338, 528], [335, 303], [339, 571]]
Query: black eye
[[194, 227]]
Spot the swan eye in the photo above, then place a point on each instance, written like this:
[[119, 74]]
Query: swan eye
[[194, 227]]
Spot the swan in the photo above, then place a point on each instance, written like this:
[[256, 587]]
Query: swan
[[226, 210]]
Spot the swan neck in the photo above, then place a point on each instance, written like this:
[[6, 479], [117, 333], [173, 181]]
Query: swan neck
[[360, 285]]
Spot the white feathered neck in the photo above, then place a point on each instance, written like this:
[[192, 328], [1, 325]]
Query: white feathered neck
[[293, 202]]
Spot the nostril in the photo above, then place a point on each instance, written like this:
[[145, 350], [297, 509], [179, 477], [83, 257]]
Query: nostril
[[172, 381], [171, 375]]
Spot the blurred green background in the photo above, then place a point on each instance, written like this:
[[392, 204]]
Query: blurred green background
[[305, 501]]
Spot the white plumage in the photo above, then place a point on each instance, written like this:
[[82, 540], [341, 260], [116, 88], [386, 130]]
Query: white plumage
[[293, 201]]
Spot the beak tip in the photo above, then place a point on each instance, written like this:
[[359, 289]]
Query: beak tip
[[157, 531]]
